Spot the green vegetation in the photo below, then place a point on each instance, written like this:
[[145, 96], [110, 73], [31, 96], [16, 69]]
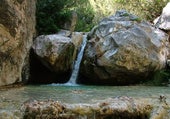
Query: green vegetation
[[146, 9], [161, 78], [53, 15]]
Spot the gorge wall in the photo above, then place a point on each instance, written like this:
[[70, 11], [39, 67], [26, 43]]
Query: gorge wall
[[17, 28]]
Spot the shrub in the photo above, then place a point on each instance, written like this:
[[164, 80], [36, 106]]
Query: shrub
[[49, 14], [146, 9], [53, 14]]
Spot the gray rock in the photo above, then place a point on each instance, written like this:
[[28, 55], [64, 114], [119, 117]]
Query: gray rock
[[112, 108], [122, 49], [76, 38], [17, 27], [55, 51], [163, 21]]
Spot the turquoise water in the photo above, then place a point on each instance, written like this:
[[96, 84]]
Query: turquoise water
[[76, 94], [12, 99]]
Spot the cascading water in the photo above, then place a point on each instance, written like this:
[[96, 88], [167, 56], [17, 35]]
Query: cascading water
[[76, 67]]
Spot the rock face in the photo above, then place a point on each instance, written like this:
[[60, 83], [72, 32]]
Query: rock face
[[163, 21], [123, 50], [55, 51], [17, 26], [76, 39]]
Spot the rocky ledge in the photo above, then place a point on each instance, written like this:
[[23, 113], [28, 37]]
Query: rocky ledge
[[112, 108]]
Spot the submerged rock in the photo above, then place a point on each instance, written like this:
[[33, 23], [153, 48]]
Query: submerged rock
[[17, 27], [122, 49], [5, 114]]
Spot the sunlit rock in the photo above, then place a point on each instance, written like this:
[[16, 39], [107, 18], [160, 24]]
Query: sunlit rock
[[163, 21], [17, 27], [76, 38], [117, 108], [122, 49], [55, 51]]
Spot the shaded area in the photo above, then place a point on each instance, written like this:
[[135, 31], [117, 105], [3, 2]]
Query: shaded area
[[117, 81], [40, 74]]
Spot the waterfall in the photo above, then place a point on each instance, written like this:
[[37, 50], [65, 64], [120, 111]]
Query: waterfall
[[76, 67]]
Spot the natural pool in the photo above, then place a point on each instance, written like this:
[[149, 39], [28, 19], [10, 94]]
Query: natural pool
[[11, 99]]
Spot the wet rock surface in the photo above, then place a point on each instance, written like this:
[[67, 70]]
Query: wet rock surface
[[122, 49]]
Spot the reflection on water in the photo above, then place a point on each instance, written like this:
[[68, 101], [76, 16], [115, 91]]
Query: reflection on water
[[13, 98]]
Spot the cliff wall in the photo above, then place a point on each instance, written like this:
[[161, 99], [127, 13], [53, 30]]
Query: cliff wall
[[17, 28]]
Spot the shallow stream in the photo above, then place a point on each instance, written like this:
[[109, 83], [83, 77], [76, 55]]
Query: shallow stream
[[12, 99]]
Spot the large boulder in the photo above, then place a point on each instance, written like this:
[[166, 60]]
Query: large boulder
[[17, 27], [163, 21], [55, 51], [76, 39], [122, 49], [55, 56]]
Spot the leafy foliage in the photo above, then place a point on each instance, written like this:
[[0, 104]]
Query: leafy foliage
[[161, 78], [49, 14], [146, 9], [85, 19], [53, 14]]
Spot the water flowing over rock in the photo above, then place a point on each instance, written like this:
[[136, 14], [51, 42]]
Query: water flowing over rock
[[122, 49], [58, 52], [17, 27], [75, 72]]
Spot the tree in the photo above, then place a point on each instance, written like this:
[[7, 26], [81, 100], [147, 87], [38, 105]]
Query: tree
[[53, 14]]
